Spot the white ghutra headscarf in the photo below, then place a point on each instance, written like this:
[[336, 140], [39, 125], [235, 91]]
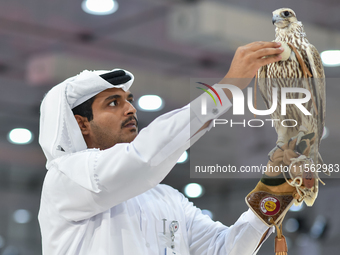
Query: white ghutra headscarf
[[59, 131]]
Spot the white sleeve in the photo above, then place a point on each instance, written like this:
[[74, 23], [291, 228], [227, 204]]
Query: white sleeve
[[207, 237], [83, 184]]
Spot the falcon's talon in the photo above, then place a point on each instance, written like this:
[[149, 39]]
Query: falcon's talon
[[289, 141], [270, 159], [279, 147]]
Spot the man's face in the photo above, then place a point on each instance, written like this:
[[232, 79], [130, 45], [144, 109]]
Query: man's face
[[114, 119]]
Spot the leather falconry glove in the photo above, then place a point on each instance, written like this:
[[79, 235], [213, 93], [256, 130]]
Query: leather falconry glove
[[273, 195]]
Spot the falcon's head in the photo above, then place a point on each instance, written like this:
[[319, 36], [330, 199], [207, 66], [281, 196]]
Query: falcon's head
[[283, 17]]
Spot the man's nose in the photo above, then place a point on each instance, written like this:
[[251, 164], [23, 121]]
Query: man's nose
[[130, 109]]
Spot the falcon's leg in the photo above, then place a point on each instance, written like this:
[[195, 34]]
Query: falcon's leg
[[279, 143], [303, 176], [302, 131]]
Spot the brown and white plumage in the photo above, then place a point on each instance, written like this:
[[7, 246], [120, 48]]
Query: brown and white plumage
[[289, 73]]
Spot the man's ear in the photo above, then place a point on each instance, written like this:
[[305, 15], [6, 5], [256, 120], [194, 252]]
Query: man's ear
[[83, 123]]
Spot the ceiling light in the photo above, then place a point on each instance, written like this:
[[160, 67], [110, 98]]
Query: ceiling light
[[22, 216], [325, 133], [303, 240], [292, 225], [183, 158], [150, 103], [20, 136], [208, 212], [296, 208], [2, 242], [289, 242], [193, 190], [330, 57], [99, 7], [319, 227]]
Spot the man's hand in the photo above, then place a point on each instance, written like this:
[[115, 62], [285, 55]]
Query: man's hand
[[247, 60]]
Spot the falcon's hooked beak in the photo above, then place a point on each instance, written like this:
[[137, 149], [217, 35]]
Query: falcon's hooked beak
[[276, 18], [280, 22]]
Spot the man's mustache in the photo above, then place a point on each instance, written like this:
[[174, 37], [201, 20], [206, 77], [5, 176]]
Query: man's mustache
[[128, 120]]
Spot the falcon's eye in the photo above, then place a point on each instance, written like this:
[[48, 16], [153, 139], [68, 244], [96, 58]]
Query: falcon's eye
[[286, 13]]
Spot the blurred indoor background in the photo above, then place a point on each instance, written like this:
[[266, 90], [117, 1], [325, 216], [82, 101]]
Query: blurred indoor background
[[165, 43]]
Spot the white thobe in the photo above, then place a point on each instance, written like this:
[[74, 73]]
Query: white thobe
[[110, 202]]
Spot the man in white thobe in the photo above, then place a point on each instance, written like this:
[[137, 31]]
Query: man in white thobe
[[101, 194]]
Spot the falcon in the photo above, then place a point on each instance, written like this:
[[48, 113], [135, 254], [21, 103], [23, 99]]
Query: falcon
[[302, 69]]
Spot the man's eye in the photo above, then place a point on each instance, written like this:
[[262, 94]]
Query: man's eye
[[131, 101], [113, 103]]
